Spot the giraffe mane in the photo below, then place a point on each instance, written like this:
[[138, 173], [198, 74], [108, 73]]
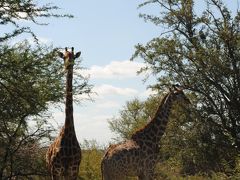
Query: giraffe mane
[[159, 108]]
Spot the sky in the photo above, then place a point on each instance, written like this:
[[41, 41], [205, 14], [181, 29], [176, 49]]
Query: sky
[[105, 32]]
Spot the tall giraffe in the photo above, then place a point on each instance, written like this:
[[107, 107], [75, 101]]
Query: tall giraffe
[[138, 156], [64, 154]]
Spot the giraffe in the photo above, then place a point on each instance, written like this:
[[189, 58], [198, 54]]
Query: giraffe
[[64, 154], [138, 156]]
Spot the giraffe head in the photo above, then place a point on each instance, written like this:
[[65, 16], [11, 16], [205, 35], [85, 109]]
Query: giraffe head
[[69, 57], [178, 94]]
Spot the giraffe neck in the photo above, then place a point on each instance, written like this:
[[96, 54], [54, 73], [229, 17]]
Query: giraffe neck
[[69, 123], [154, 130]]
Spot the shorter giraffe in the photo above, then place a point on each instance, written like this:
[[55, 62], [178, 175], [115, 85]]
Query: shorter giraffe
[[138, 156], [64, 154]]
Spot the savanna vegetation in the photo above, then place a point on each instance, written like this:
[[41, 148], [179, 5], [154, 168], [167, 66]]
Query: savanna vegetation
[[198, 49], [31, 78]]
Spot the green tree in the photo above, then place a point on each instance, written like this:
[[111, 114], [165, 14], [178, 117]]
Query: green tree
[[90, 167], [201, 52], [187, 146], [12, 11], [30, 80], [133, 116]]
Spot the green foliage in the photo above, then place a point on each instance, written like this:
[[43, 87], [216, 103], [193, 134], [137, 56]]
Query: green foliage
[[14, 10], [200, 52], [30, 80], [196, 145], [132, 117], [27, 79], [189, 146], [90, 167]]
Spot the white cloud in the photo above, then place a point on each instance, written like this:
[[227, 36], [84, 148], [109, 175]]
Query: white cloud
[[115, 69], [88, 125], [106, 89], [106, 104], [91, 120]]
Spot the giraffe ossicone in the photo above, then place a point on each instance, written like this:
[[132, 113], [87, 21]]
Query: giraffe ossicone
[[138, 156], [64, 154]]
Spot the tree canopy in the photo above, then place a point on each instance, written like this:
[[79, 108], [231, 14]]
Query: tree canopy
[[13, 12], [187, 146], [31, 79], [199, 50], [133, 116]]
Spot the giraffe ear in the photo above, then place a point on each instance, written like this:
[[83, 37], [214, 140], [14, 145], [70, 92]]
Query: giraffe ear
[[60, 54], [77, 54]]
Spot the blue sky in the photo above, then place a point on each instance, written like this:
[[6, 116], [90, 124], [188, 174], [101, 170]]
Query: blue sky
[[106, 32]]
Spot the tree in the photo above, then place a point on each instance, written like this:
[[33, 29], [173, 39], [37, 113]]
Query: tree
[[30, 80], [12, 11], [132, 117], [90, 167], [207, 66], [187, 146]]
